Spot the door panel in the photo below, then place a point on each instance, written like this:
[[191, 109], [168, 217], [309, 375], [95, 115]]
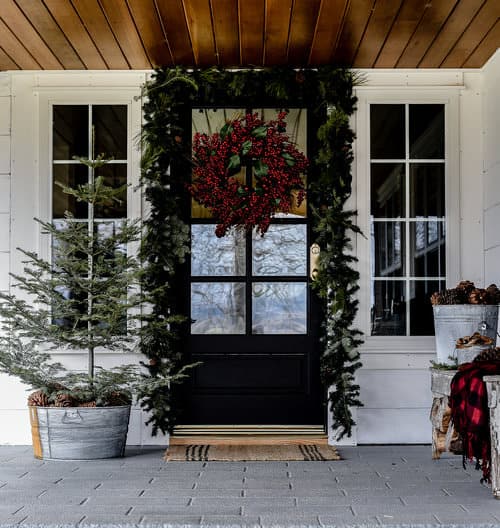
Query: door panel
[[254, 319]]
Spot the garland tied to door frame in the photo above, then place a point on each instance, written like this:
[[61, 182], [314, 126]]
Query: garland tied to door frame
[[169, 96]]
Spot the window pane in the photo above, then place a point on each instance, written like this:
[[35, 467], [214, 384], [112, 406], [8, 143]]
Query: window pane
[[72, 176], [110, 130], [388, 313], [218, 308], [427, 189], [387, 190], [281, 251], [70, 131], [279, 308], [421, 316], [115, 175], [388, 249], [427, 256], [426, 131], [387, 131], [211, 255]]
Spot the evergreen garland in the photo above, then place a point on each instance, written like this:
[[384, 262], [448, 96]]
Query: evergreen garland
[[170, 96]]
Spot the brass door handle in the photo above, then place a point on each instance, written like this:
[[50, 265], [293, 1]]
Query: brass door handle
[[314, 252]]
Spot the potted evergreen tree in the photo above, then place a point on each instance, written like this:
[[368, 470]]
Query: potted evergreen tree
[[87, 298]]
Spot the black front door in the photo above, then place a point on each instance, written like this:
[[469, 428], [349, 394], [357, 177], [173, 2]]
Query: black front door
[[254, 320]]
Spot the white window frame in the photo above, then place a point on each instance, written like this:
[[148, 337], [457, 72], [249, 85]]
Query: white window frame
[[449, 97], [47, 99]]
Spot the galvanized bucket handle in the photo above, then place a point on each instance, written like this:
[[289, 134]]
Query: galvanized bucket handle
[[72, 416]]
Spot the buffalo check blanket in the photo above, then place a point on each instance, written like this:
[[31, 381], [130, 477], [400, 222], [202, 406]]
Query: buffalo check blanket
[[470, 414]]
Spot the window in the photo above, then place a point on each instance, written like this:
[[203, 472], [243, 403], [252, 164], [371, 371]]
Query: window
[[407, 216], [87, 131]]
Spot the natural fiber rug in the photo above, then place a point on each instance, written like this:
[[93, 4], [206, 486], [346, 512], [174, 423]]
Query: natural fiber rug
[[243, 453]]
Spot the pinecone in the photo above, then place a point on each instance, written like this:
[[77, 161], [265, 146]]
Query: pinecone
[[478, 296], [465, 287], [493, 294], [87, 404], [447, 297], [491, 354], [474, 340], [38, 399], [65, 400]]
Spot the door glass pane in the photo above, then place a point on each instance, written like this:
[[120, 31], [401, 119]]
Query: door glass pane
[[387, 190], [70, 131], [427, 189], [218, 308], [110, 129], [387, 131], [426, 131], [427, 256], [421, 316], [72, 176], [281, 251], [388, 249], [279, 308], [211, 255], [388, 313]]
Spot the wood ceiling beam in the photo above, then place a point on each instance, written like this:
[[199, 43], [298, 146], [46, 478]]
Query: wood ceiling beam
[[29, 38], [174, 23], [6, 63], [302, 25], [277, 30], [96, 24], [68, 20], [401, 32], [432, 21], [13, 48], [485, 49], [379, 26], [251, 28], [328, 27], [150, 30], [125, 32], [225, 22], [476, 31], [200, 26]]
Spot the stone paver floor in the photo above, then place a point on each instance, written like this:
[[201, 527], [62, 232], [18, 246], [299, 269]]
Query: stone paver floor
[[371, 486]]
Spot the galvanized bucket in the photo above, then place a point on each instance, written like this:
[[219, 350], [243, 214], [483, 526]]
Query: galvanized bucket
[[467, 354], [79, 433], [452, 321]]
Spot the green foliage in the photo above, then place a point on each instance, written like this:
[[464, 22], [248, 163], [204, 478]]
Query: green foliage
[[166, 170], [87, 297]]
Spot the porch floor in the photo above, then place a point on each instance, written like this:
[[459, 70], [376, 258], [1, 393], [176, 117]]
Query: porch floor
[[371, 486]]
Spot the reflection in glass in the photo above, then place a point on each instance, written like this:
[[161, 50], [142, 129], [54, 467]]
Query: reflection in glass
[[110, 130], [281, 251], [387, 190], [279, 308], [211, 255], [387, 131], [427, 189], [115, 175], [211, 120], [427, 255], [70, 131], [388, 249], [388, 312], [421, 316], [426, 131], [218, 308], [72, 176]]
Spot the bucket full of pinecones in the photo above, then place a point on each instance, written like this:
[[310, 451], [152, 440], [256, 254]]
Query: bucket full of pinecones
[[463, 311]]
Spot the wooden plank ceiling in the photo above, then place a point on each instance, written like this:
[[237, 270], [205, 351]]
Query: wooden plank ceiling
[[140, 34]]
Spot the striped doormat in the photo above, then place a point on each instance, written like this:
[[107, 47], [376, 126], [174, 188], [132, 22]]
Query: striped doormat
[[243, 453]]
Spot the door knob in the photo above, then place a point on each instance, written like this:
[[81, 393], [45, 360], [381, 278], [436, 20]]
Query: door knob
[[314, 252]]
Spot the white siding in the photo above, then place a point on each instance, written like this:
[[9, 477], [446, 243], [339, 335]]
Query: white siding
[[491, 168]]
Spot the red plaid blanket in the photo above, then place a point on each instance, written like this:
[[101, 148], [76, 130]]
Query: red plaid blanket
[[469, 411]]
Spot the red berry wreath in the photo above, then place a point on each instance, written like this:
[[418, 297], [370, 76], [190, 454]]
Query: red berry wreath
[[276, 167]]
